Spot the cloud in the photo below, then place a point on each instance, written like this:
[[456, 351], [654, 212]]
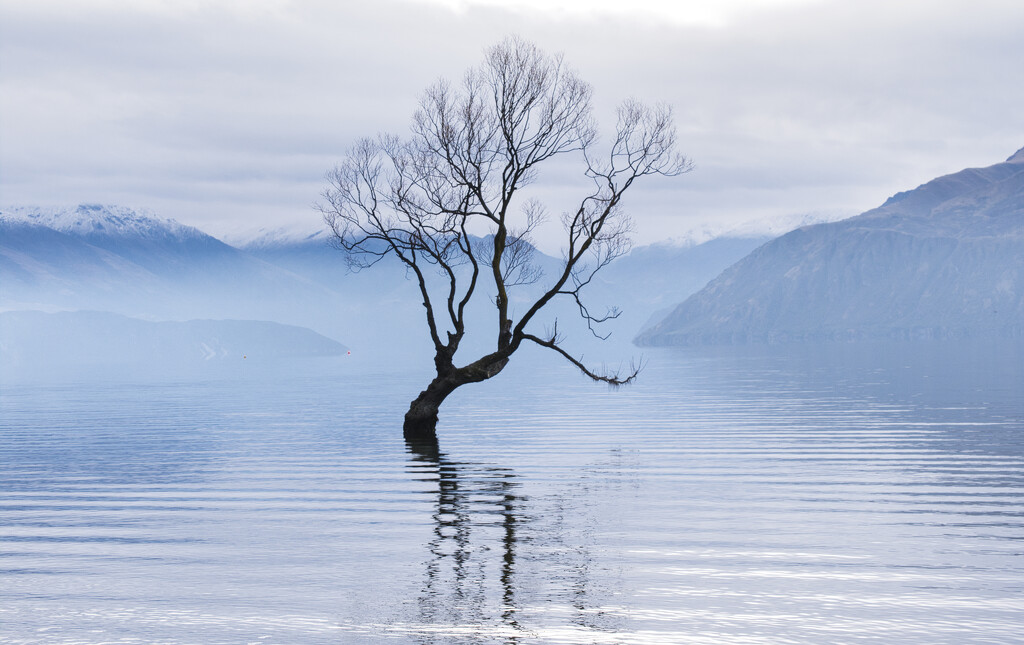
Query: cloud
[[677, 12], [226, 115]]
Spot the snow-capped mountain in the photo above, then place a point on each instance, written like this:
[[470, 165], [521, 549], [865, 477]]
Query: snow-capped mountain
[[162, 246], [131, 262], [943, 260], [44, 267], [268, 238], [92, 221]]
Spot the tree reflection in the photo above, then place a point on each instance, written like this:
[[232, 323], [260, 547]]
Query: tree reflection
[[476, 509]]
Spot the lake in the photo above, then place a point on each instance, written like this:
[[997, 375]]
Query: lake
[[845, 493]]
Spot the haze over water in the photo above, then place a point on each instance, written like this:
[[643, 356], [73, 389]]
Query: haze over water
[[806, 494]]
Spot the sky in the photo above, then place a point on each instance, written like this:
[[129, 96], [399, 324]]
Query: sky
[[226, 115]]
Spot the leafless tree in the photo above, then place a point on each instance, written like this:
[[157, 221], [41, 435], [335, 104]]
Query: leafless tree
[[429, 200]]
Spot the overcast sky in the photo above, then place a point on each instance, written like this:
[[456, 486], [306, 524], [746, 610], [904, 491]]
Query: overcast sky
[[225, 115]]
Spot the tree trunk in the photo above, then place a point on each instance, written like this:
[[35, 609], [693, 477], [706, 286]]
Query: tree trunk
[[421, 419]]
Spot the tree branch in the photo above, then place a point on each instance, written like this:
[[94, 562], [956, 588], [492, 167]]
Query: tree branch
[[611, 378]]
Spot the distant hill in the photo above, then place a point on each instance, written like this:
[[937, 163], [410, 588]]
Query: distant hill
[[33, 338], [943, 260]]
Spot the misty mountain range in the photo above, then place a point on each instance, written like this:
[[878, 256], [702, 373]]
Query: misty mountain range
[[132, 263], [943, 260]]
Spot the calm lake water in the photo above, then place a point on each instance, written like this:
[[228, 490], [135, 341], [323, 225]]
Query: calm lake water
[[809, 494]]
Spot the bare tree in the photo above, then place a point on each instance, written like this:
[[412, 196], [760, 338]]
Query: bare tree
[[428, 200]]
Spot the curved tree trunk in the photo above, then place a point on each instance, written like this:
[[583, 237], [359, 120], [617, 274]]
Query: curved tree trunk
[[421, 419]]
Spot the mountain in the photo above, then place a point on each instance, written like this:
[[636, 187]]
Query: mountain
[[102, 225], [160, 246], [126, 261], [40, 265], [943, 260], [650, 280]]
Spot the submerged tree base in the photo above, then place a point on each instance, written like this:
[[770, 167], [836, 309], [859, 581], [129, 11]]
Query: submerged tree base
[[421, 419], [424, 449], [420, 424]]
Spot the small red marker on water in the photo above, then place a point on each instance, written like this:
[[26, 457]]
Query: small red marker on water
[[349, 353]]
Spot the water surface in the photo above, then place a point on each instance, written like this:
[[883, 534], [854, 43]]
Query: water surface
[[804, 494]]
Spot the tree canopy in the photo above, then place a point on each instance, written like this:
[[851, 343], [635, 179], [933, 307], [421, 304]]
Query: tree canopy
[[449, 203]]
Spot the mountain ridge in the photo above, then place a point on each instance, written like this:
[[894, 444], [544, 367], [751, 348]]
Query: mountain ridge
[[103, 220], [945, 259]]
